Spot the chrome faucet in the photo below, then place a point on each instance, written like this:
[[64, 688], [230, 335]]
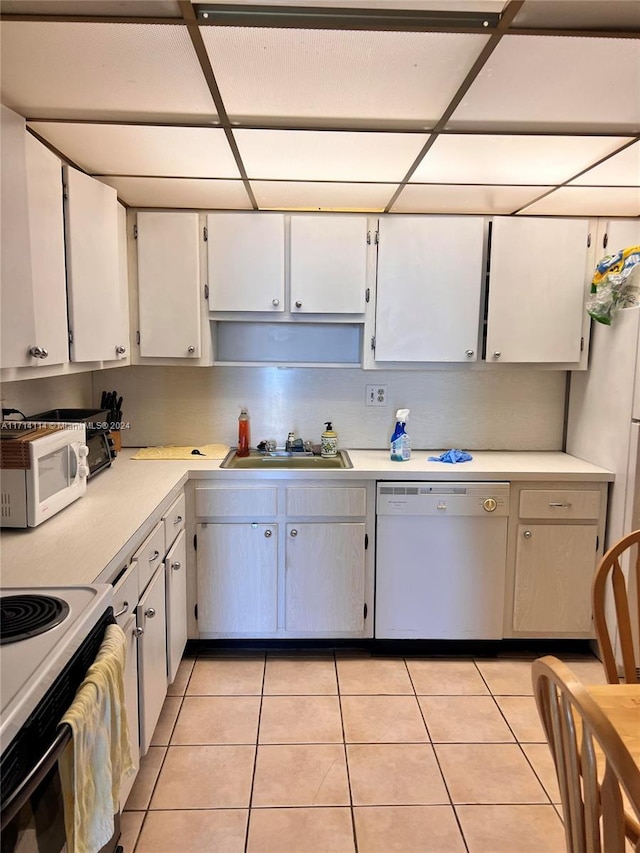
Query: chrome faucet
[[288, 445]]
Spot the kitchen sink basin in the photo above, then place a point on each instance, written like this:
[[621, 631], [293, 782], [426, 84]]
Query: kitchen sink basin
[[264, 461]]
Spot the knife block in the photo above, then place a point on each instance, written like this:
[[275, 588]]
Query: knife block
[[117, 439]]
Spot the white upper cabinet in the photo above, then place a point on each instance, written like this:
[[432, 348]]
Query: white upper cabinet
[[430, 277], [328, 264], [615, 234], [246, 254], [93, 269], [168, 247], [34, 314], [538, 283]]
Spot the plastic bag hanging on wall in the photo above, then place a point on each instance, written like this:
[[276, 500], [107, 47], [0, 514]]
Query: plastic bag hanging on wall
[[615, 285]]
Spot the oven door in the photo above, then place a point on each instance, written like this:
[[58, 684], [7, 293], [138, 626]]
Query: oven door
[[99, 452]]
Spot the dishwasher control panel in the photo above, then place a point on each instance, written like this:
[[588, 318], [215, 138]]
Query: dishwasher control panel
[[438, 498]]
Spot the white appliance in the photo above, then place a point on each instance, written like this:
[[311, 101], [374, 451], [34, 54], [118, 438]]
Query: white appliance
[[440, 560], [55, 476]]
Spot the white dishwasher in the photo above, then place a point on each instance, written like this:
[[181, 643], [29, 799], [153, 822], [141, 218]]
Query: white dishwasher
[[440, 560]]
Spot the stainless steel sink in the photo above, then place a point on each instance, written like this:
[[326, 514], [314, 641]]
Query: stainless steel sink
[[258, 459]]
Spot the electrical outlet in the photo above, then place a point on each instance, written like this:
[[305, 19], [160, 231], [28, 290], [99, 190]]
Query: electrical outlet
[[376, 395]]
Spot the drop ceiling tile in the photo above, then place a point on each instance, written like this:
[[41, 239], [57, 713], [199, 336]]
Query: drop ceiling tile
[[180, 193], [130, 8], [582, 14], [493, 159], [314, 195], [621, 170], [434, 198], [324, 76], [107, 149], [556, 82], [102, 71], [588, 201], [308, 155]]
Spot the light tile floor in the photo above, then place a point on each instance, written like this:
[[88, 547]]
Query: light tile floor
[[348, 753]]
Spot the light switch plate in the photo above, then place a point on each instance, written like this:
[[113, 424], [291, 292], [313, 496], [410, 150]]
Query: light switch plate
[[376, 395]]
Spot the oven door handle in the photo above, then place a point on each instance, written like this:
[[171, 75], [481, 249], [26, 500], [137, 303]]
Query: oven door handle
[[21, 795]]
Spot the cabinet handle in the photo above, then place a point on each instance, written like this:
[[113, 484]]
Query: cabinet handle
[[527, 534], [565, 506], [191, 350], [150, 612], [176, 566], [294, 533], [268, 534], [275, 302], [469, 353], [120, 350], [298, 304], [125, 607], [38, 352], [154, 556], [138, 632], [178, 519], [497, 354]]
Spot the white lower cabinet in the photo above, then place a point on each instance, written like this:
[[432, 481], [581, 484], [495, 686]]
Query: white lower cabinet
[[557, 535], [282, 560], [176, 601], [152, 657]]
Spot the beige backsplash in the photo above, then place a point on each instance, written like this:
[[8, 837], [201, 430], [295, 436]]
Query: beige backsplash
[[509, 409]]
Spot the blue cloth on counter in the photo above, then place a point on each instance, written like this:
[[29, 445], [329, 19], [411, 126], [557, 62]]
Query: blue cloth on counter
[[452, 456]]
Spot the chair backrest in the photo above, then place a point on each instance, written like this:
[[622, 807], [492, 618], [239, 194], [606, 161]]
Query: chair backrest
[[592, 763], [626, 598]]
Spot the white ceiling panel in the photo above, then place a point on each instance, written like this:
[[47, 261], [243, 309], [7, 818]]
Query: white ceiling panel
[[102, 71], [553, 82], [107, 149], [181, 193], [318, 76], [588, 201], [621, 170], [307, 155], [585, 14], [511, 159], [130, 8], [310, 195], [431, 198]]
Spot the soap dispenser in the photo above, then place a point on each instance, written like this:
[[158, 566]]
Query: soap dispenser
[[329, 441], [243, 433]]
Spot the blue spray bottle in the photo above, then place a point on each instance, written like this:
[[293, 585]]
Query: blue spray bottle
[[400, 441]]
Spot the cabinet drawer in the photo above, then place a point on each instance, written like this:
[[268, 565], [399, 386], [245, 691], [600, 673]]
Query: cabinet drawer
[[173, 521], [125, 595], [324, 501], [236, 502], [149, 556], [555, 503]]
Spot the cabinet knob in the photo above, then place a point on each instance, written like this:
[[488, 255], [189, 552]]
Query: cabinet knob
[[294, 533], [150, 612], [138, 632], [527, 534], [176, 566], [298, 304], [275, 302], [469, 353], [120, 350], [38, 352], [268, 534], [497, 354], [191, 350]]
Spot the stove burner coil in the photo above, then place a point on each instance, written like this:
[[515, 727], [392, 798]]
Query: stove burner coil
[[24, 616]]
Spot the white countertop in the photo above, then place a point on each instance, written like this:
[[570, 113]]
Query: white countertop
[[87, 540]]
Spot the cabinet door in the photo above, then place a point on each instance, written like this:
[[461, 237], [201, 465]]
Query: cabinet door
[[554, 569], [91, 225], [537, 289], [169, 284], [616, 234], [152, 657], [325, 577], [245, 254], [237, 578], [176, 589], [430, 277], [131, 702], [328, 264]]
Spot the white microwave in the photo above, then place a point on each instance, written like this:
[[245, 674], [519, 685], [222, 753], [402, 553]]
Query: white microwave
[[56, 476]]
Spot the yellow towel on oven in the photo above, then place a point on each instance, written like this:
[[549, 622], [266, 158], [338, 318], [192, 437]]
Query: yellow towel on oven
[[99, 754]]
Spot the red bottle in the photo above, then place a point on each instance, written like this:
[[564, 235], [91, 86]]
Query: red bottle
[[243, 433]]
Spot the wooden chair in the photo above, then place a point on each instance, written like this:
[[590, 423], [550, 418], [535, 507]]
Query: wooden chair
[[610, 572], [592, 763]]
